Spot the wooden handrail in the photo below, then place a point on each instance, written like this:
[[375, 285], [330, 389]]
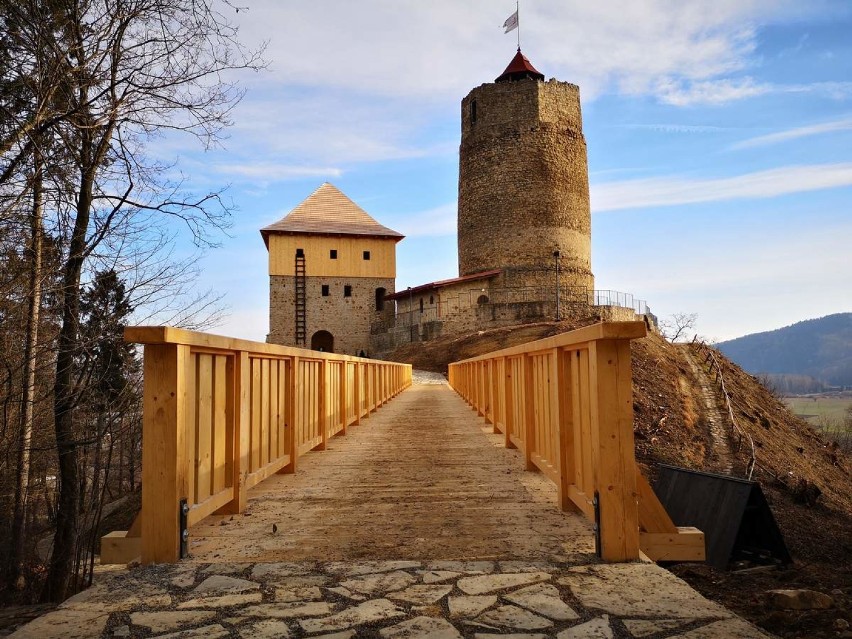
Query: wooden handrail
[[222, 414], [567, 402]]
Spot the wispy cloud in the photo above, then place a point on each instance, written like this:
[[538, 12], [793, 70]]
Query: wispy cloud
[[675, 190], [686, 93], [436, 222], [795, 134], [674, 128], [436, 50], [265, 173]]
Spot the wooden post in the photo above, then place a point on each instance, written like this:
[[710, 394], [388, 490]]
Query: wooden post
[[239, 421], [560, 375], [529, 411], [359, 396], [164, 450], [613, 448], [324, 403], [293, 394], [510, 404], [344, 379], [494, 386]]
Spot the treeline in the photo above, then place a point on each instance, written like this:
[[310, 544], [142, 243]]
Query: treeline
[[88, 225], [792, 384]]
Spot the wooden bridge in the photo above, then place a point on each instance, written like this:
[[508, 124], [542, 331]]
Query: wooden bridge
[[228, 422]]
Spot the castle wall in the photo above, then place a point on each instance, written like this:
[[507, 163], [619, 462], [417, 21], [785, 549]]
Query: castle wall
[[523, 184], [348, 319]]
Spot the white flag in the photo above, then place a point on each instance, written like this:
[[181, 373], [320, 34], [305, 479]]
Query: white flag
[[511, 23]]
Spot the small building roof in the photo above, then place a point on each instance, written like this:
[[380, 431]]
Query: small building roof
[[519, 68], [327, 211], [416, 290]]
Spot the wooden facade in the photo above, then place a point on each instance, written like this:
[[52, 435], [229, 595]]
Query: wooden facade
[[222, 414], [567, 402], [349, 255]]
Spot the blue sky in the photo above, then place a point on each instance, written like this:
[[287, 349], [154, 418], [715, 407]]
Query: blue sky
[[719, 138]]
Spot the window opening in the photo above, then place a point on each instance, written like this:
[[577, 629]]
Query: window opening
[[300, 252], [473, 112], [366, 255], [333, 254], [325, 290], [421, 304], [380, 299], [347, 290]]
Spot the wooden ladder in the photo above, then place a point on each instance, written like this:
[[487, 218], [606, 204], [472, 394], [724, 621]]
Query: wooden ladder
[[301, 300]]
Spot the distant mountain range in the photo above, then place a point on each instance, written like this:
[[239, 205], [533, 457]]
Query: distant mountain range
[[819, 348]]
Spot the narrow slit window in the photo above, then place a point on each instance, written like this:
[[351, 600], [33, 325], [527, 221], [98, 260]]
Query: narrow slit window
[[366, 255], [347, 290], [325, 291], [473, 111]]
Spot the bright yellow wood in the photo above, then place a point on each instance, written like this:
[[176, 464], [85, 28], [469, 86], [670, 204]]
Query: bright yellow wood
[[568, 404], [204, 441], [164, 453], [256, 408], [613, 448], [652, 515], [529, 411], [599, 331], [119, 548], [221, 414], [350, 260], [191, 425], [685, 544], [220, 418]]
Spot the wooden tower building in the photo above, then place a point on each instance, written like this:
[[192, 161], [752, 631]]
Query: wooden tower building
[[330, 267]]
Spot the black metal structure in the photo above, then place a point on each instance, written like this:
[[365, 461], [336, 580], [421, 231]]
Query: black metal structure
[[733, 513]]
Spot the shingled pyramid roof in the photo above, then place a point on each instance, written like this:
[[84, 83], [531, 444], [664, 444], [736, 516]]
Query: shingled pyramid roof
[[520, 68], [327, 211]]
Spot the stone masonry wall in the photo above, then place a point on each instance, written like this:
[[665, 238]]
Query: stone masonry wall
[[523, 183], [348, 319]]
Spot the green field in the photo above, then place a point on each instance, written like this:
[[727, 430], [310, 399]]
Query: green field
[[828, 414], [813, 408]]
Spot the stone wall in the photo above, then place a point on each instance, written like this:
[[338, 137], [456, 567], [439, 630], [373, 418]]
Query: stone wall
[[523, 184], [348, 319], [463, 309]]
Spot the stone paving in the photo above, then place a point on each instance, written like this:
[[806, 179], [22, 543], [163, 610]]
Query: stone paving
[[392, 600]]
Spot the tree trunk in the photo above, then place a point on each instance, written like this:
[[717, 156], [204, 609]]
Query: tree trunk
[[65, 540], [22, 480]]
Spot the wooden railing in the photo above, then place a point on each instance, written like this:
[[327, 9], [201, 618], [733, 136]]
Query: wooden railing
[[567, 402], [222, 414]]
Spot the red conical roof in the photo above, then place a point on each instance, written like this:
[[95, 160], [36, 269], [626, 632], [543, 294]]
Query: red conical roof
[[520, 68]]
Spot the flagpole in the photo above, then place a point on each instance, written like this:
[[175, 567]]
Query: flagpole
[[517, 13]]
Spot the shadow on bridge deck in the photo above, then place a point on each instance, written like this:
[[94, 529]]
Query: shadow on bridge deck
[[422, 478]]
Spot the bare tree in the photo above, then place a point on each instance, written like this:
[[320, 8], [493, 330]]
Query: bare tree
[[677, 326], [125, 71]]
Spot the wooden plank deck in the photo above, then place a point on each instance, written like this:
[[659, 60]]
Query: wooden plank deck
[[422, 478]]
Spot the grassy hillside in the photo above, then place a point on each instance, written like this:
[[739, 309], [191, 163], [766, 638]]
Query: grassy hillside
[[819, 348]]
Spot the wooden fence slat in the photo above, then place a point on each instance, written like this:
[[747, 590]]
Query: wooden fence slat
[[221, 414], [567, 402]]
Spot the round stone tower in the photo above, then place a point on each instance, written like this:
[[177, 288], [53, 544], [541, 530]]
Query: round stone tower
[[524, 183]]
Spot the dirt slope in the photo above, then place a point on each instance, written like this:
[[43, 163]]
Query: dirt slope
[[808, 481]]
